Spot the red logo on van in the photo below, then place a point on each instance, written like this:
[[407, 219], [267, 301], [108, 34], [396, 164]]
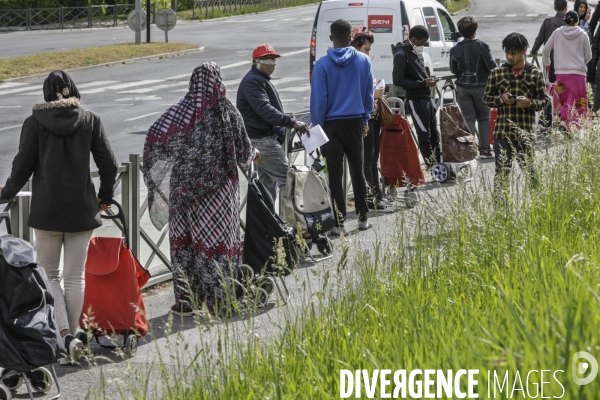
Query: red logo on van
[[381, 23]]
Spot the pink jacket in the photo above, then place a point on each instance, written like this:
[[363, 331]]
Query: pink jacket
[[572, 50]]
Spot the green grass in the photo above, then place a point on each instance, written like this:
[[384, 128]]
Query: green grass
[[240, 10], [455, 5], [466, 283], [47, 62]]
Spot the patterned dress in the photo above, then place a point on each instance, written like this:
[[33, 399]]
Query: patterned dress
[[190, 168]]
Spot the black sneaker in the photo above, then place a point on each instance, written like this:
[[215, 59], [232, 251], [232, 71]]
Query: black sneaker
[[485, 153], [377, 205], [74, 351]]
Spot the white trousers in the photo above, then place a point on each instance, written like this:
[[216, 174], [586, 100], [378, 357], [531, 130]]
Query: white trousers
[[67, 305]]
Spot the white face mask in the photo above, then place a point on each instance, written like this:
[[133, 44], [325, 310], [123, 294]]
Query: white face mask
[[371, 56], [418, 49]]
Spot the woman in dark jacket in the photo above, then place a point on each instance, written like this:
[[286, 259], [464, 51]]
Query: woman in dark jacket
[[55, 146], [471, 61]]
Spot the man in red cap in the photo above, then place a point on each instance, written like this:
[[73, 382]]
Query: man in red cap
[[261, 108]]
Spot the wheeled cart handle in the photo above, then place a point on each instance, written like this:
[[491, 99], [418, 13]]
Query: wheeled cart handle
[[6, 216]]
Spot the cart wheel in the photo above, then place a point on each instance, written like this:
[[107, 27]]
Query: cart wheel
[[5, 393], [42, 380], [411, 198], [266, 283], [131, 344], [261, 297], [247, 273], [13, 383], [440, 172], [392, 193], [324, 245]]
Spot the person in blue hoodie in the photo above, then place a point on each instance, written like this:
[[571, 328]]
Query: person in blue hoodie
[[341, 101]]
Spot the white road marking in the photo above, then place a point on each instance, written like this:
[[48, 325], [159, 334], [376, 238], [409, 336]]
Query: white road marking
[[268, 20], [307, 19], [238, 64], [144, 116], [137, 83], [177, 77], [295, 52], [10, 106], [286, 80], [11, 127], [489, 16], [146, 90], [232, 82], [26, 89], [12, 84], [288, 19], [96, 83], [98, 90], [511, 15], [285, 100], [38, 93], [532, 15]]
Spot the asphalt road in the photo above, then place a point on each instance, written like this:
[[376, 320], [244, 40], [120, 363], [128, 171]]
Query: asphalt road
[[130, 97]]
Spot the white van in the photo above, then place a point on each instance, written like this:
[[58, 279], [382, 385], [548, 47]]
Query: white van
[[390, 21]]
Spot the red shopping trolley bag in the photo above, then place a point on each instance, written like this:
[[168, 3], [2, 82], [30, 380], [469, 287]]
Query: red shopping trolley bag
[[113, 302], [399, 156]]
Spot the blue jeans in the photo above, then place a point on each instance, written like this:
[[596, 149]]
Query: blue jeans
[[273, 164], [470, 101]]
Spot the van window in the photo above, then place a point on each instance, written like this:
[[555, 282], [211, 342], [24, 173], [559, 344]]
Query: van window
[[447, 25], [417, 17], [432, 24]]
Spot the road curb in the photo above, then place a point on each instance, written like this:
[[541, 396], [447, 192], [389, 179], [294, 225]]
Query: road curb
[[108, 64], [187, 21], [464, 9]]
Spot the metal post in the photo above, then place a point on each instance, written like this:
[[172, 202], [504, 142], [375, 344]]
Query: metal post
[[174, 5], [134, 222], [28, 18], [138, 21], [24, 203], [60, 18], [126, 196], [90, 17], [115, 17], [148, 19]]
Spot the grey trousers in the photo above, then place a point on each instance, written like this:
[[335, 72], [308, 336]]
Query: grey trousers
[[470, 101], [273, 164], [67, 305]]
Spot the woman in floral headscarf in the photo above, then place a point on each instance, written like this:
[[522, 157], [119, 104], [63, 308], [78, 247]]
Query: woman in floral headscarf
[[190, 169]]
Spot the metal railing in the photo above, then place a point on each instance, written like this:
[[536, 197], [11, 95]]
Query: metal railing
[[203, 8], [67, 17]]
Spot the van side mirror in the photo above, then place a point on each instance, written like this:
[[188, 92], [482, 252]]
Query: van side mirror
[[456, 36]]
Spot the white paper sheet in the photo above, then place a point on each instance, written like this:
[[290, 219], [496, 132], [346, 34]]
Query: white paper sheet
[[317, 138], [24, 194], [381, 84]]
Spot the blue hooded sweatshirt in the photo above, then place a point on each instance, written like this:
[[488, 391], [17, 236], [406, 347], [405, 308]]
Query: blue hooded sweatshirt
[[341, 87]]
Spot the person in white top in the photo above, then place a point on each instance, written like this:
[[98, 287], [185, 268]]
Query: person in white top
[[572, 52]]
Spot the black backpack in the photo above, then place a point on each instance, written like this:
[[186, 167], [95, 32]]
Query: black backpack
[[29, 337]]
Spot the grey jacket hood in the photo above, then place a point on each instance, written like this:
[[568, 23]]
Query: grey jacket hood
[[571, 32], [61, 117]]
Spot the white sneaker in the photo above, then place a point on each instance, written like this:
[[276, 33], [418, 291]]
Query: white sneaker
[[74, 350]]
